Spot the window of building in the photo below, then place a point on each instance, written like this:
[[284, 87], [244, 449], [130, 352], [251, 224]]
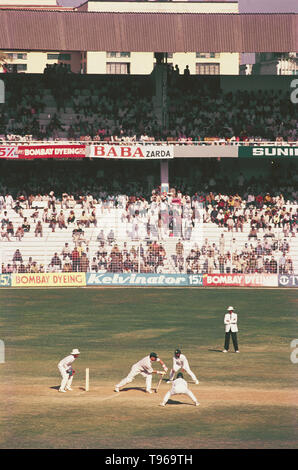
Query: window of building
[[15, 68], [17, 55], [207, 55], [21, 67], [207, 69], [118, 55], [119, 68], [58, 56]]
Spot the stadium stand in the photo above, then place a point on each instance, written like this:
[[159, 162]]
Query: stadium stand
[[61, 105], [205, 232], [81, 216]]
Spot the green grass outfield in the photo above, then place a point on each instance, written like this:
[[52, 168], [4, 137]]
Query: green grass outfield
[[247, 400]]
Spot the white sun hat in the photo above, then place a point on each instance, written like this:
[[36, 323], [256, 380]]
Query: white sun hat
[[75, 351], [230, 308]]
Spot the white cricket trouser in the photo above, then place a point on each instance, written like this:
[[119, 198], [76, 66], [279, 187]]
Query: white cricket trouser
[[182, 391], [66, 378], [187, 369], [132, 374]]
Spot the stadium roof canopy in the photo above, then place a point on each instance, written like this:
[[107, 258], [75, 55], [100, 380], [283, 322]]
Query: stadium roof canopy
[[147, 32]]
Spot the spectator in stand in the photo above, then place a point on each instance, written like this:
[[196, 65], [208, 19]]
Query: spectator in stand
[[253, 233], [289, 265], [17, 257], [111, 237], [4, 220], [71, 218], [272, 266], [66, 253], [52, 201], [5, 235], [61, 220], [92, 218], [75, 257], [53, 221], [94, 265], [38, 229], [56, 261], [19, 233], [83, 220], [84, 263], [26, 225], [67, 268], [10, 228]]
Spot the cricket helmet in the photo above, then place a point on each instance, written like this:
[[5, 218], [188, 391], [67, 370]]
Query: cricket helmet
[[179, 375], [153, 354], [177, 352]]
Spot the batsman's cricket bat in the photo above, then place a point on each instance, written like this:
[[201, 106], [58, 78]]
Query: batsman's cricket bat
[[159, 382]]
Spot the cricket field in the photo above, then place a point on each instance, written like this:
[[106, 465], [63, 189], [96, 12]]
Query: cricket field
[[247, 400]]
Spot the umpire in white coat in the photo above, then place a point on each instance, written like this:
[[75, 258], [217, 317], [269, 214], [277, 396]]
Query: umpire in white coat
[[231, 328]]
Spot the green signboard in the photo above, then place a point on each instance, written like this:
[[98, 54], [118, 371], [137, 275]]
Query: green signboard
[[267, 151]]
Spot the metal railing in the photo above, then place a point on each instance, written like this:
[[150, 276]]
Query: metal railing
[[201, 143]]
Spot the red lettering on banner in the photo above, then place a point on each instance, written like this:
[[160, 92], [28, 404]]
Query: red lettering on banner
[[138, 153], [118, 151], [112, 152], [99, 151], [250, 280], [125, 152], [51, 151]]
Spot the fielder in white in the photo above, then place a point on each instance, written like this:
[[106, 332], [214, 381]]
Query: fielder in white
[[66, 370], [143, 367], [180, 362], [179, 387]]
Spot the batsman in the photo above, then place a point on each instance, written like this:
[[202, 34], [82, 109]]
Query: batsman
[[66, 370], [143, 367]]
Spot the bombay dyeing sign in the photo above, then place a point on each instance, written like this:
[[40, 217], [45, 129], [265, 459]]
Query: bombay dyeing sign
[[132, 152], [51, 151], [268, 151]]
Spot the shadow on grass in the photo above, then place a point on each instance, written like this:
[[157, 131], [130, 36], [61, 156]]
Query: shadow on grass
[[215, 350], [175, 402], [127, 389]]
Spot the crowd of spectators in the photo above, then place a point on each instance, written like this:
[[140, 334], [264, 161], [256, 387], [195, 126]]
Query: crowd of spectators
[[122, 109], [257, 115], [263, 207], [268, 221]]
